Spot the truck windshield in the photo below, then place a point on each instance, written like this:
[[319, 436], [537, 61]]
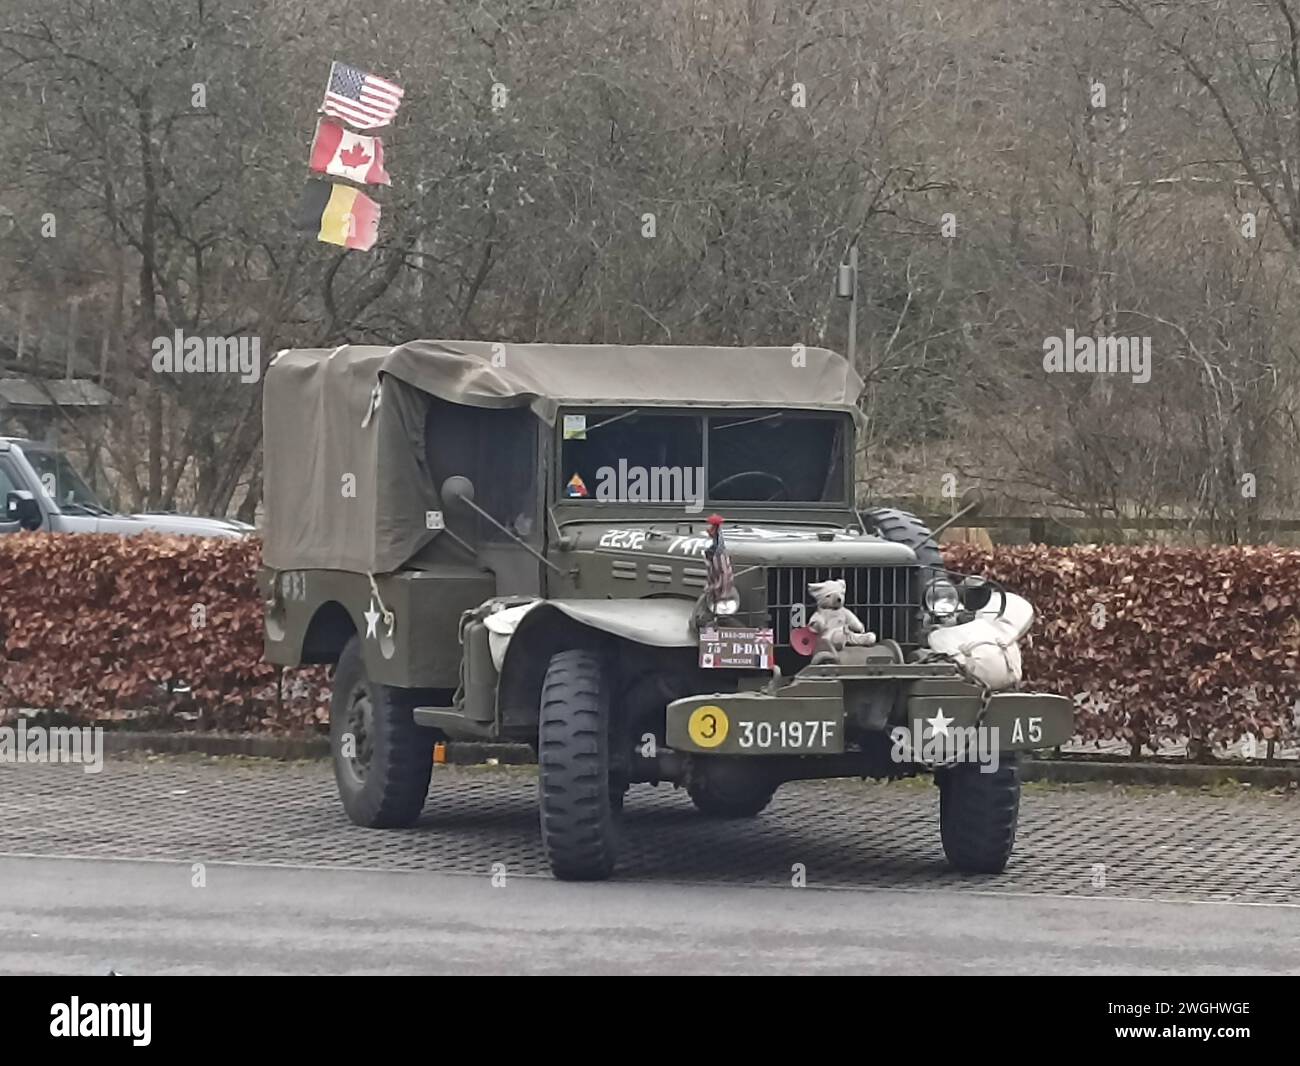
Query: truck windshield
[[777, 456], [646, 456], [61, 482]]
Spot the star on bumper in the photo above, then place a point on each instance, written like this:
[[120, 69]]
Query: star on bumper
[[939, 724]]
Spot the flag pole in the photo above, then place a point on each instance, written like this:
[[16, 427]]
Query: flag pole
[[329, 80]]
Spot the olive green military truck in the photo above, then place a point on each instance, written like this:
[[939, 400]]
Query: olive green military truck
[[646, 562]]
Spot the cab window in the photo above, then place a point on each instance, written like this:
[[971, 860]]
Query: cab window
[[636, 455], [747, 456], [497, 450], [777, 456]]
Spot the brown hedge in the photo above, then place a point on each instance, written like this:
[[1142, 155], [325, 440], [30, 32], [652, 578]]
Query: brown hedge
[[1160, 643], [1196, 643], [166, 627]]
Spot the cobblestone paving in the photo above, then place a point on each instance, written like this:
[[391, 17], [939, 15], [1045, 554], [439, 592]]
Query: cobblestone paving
[[1143, 843]]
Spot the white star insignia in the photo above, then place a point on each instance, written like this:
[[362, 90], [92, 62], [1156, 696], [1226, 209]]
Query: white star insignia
[[372, 619], [939, 724]]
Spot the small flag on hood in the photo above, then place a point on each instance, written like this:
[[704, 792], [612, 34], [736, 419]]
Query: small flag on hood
[[339, 214], [576, 487], [344, 154]]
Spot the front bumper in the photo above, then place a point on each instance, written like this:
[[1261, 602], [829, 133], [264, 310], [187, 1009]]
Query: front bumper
[[826, 710]]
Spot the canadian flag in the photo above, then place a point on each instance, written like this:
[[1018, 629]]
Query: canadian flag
[[344, 154]]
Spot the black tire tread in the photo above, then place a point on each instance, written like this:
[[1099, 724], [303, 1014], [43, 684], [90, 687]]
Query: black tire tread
[[978, 815], [397, 782], [577, 810], [903, 527]]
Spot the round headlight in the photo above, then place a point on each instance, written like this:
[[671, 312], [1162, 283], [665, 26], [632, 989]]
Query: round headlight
[[941, 598], [725, 606]]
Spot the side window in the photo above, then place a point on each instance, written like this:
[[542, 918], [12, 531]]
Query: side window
[[7, 483], [496, 449]]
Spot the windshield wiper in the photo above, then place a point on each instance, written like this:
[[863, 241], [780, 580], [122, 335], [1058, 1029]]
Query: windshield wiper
[[615, 418], [749, 421]]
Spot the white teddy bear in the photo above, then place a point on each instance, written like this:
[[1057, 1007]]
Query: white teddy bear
[[835, 625]]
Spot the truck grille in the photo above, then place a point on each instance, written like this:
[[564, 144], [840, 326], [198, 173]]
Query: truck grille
[[885, 598]]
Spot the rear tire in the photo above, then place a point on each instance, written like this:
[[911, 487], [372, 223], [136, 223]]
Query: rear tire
[[579, 814], [978, 814], [382, 759]]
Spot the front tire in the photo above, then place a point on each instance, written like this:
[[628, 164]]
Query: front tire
[[579, 815], [382, 759], [978, 814]]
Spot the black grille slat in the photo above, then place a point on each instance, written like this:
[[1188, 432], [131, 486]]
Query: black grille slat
[[881, 596]]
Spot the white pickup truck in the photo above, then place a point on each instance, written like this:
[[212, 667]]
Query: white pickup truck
[[41, 490]]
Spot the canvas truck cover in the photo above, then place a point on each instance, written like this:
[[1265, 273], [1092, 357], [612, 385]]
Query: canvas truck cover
[[360, 410]]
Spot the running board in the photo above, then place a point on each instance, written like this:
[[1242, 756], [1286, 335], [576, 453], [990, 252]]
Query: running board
[[453, 723]]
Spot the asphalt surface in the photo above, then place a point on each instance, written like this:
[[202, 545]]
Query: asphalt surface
[[90, 916], [224, 866]]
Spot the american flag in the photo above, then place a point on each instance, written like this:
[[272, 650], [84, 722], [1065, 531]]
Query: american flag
[[360, 99]]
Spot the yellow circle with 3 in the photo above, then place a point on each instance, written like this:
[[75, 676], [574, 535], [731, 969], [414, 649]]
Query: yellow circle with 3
[[708, 726]]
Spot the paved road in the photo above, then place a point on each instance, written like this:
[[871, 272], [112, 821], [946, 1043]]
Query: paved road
[[96, 871], [1187, 846], [85, 916]]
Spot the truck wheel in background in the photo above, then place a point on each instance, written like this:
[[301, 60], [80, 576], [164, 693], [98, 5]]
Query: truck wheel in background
[[903, 527], [978, 814], [382, 759], [729, 790], [579, 815]]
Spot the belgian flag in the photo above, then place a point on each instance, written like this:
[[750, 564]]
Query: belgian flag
[[339, 214]]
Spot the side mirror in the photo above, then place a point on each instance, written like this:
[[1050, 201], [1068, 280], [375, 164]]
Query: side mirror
[[21, 507], [457, 489]]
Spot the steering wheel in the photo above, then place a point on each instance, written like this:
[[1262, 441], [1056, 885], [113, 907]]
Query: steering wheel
[[781, 486]]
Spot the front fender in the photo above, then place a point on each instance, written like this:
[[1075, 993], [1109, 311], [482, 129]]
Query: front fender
[[658, 622], [551, 625]]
